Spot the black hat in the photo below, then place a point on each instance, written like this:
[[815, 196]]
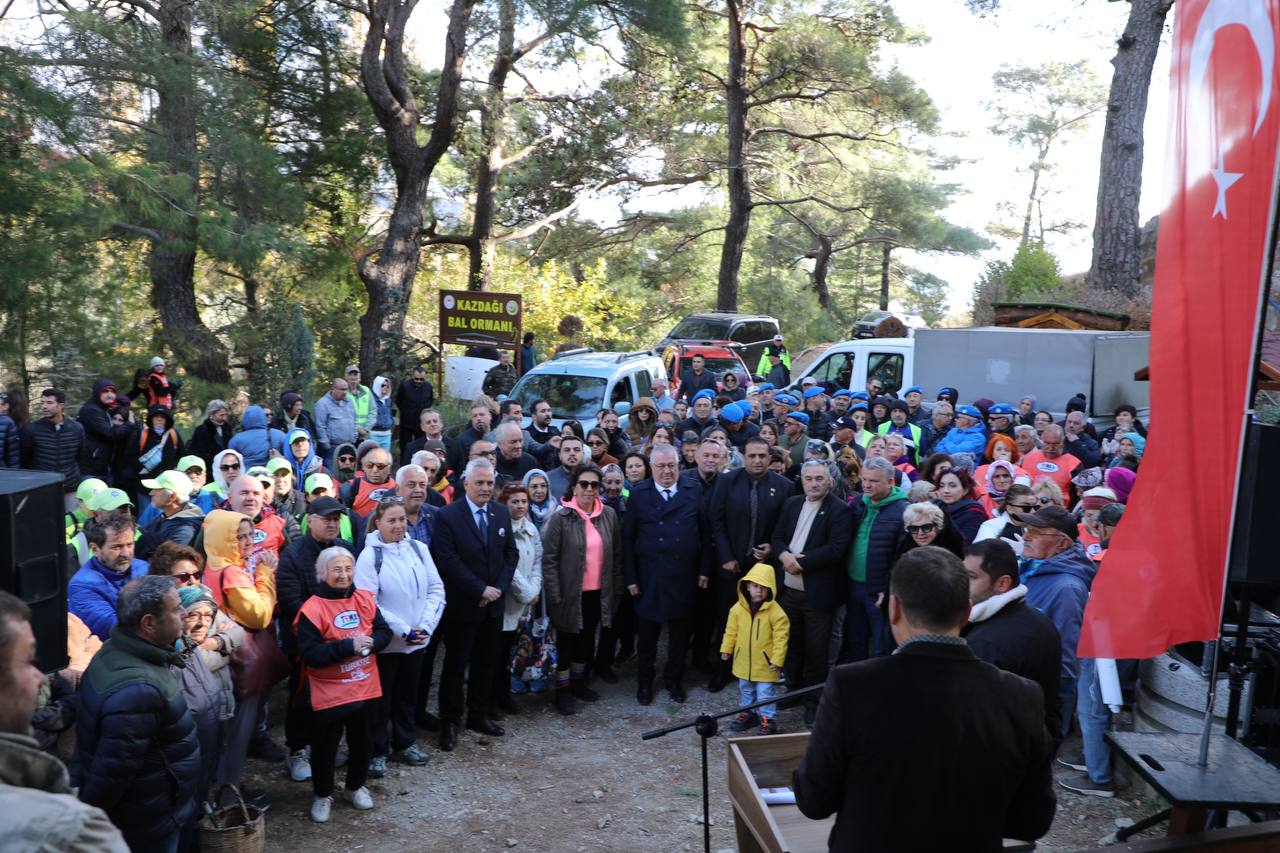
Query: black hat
[[1110, 515], [325, 506], [900, 405], [1053, 518]]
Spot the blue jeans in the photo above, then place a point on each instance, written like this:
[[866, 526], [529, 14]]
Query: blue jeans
[[750, 692], [863, 620], [1094, 720]]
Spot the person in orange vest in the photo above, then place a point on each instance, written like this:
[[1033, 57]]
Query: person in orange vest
[[371, 484], [272, 531], [161, 390], [340, 631]]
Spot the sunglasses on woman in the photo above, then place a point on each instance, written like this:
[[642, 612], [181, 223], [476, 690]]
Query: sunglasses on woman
[[596, 443], [232, 467], [917, 529], [185, 577], [1021, 507], [588, 484]]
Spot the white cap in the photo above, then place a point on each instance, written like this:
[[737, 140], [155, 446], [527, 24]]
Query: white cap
[[158, 360]]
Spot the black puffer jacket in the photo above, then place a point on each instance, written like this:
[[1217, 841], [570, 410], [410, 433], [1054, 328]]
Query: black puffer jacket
[[102, 438], [46, 448], [138, 754], [887, 541]]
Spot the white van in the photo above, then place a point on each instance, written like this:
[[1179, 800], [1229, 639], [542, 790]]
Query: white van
[[579, 384], [848, 364]]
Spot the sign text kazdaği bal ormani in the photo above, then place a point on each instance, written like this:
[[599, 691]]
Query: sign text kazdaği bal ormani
[[491, 319]]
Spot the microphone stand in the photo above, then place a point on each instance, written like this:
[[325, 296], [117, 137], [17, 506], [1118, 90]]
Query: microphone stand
[[706, 726]]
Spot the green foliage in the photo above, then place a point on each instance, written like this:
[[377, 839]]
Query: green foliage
[[1033, 271]]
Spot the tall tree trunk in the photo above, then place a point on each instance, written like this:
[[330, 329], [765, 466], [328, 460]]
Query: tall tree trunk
[[481, 249], [886, 252], [1117, 253], [735, 230], [172, 258], [388, 274], [1036, 168], [821, 268]]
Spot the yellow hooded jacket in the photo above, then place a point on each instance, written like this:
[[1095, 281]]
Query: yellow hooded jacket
[[757, 639], [250, 601]]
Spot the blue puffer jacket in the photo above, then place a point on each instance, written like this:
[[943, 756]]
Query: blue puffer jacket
[[10, 443], [255, 441], [969, 440], [1059, 587], [138, 754], [93, 590]]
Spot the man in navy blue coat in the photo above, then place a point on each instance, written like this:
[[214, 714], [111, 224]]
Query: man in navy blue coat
[[476, 555], [664, 560]]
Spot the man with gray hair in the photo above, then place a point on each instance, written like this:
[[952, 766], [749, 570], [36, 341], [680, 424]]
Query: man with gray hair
[[412, 485], [513, 462], [877, 543], [136, 745], [476, 554], [811, 540], [93, 590]]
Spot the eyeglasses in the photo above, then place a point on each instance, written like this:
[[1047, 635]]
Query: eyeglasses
[[184, 577], [1021, 507], [377, 466], [232, 467], [346, 459], [1044, 500], [588, 484], [596, 443], [915, 529]]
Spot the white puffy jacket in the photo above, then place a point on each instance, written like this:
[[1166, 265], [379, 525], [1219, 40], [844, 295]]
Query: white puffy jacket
[[407, 587]]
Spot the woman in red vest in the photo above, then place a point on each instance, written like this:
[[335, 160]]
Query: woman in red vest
[[340, 631]]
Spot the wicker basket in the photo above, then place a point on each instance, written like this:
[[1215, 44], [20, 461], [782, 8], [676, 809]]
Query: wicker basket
[[237, 828]]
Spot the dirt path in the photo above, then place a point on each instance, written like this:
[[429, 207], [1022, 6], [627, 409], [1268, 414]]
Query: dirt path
[[566, 784]]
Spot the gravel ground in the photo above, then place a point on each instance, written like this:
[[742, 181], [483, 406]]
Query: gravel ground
[[579, 783]]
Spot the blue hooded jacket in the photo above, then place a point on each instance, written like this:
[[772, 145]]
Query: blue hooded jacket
[[92, 594], [255, 441], [309, 465], [968, 440], [1059, 587]]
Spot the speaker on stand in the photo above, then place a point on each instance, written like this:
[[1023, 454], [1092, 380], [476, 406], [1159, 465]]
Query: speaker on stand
[[33, 557]]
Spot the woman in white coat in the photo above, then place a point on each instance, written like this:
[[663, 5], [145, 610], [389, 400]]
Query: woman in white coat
[[402, 576], [526, 587]]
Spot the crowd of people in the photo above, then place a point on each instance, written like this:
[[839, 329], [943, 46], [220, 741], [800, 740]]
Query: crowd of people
[[335, 553]]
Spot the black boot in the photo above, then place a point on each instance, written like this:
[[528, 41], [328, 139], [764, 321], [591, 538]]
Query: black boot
[[720, 677], [564, 700], [583, 692]]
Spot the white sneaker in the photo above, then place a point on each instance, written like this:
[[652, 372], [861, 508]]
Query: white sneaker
[[320, 808], [299, 765], [361, 798]]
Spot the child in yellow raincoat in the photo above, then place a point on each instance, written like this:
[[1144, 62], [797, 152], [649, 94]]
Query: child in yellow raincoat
[[756, 636]]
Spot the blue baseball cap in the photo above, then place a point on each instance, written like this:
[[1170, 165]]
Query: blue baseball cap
[[971, 411], [704, 394], [799, 416], [914, 389], [843, 392], [810, 393], [1000, 409]]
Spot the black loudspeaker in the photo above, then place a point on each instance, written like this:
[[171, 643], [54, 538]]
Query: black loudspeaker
[[33, 557], [1254, 557]]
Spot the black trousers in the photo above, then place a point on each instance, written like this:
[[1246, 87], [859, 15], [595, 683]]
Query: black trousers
[[678, 631], [808, 651], [580, 648], [392, 718], [726, 587], [428, 672], [472, 644], [704, 625], [297, 716], [408, 435], [621, 635], [326, 731], [502, 678]]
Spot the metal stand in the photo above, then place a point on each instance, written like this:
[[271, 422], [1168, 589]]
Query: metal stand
[[707, 726]]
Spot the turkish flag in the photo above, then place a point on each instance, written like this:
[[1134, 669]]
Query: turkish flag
[[1162, 580]]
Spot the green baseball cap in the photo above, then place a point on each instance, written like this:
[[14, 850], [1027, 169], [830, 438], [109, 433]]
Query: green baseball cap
[[278, 463], [108, 499], [186, 463], [173, 481], [88, 488], [318, 481], [262, 475]]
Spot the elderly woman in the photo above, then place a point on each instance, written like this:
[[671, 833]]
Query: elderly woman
[[541, 501], [525, 589], [1026, 439], [340, 631], [581, 579], [402, 576], [615, 487], [999, 476], [219, 635], [895, 447], [926, 524], [957, 498], [1018, 501], [1047, 493]]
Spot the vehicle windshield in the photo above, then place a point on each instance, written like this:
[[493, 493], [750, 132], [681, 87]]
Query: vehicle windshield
[[717, 366], [875, 316], [700, 329], [575, 397]]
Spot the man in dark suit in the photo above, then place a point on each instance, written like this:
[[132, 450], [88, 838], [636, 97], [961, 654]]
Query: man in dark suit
[[710, 458], [476, 554], [929, 748], [664, 561], [812, 540], [696, 378], [1006, 631], [744, 509]]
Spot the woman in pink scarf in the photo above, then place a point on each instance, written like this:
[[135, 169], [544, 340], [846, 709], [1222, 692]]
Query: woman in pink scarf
[[581, 579]]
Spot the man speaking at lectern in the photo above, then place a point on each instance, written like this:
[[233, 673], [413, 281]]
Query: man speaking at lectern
[[929, 748]]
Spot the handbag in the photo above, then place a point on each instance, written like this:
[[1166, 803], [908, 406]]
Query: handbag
[[533, 654], [259, 664]]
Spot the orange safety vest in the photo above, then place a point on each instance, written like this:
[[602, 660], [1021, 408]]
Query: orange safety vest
[[367, 495], [268, 534], [351, 680], [1092, 544], [153, 399]]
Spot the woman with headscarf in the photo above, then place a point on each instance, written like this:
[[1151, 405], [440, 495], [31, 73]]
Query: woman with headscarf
[[1130, 445], [1121, 481], [208, 693], [384, 414], [641, 420], [340, 632], [302, 456], [581, 579], [996, 480], [541, 501]]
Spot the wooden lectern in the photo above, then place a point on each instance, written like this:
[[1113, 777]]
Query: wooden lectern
[[767, 762]]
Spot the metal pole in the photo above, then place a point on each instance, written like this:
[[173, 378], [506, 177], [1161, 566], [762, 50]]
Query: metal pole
[[1207, 730], [706, 801]]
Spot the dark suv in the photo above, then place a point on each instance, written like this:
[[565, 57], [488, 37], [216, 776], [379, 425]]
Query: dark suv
[[750, 331]]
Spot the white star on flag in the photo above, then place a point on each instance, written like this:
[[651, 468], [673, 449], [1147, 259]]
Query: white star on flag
[[1224, 180]]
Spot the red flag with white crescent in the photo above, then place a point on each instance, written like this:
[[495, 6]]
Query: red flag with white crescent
[[1162, 581]]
